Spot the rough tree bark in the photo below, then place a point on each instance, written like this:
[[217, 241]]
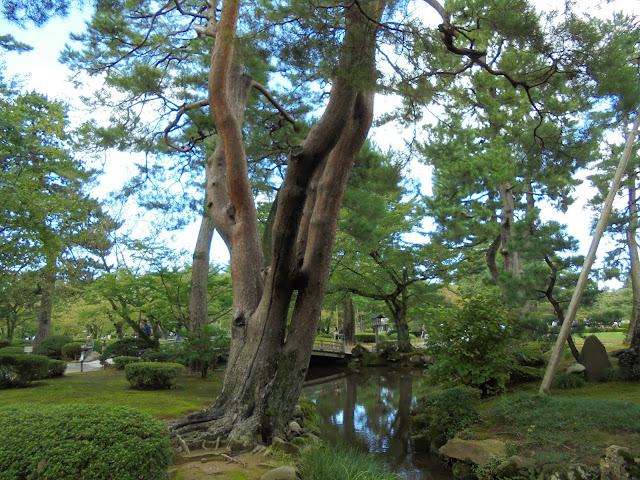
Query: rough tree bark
[[48, 278], [512, 261], [198, 304], [268, 359], [632, 245], [349, 321]]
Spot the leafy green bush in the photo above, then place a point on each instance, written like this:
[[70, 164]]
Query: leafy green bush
[[73, 442], [120, 362], [56, 368], [151, 375], [12, 350], [472, 344], [5, 343], [18, 370], [51, 346], [566, 381], [331, 463], [366, 337], [72, 350], [204, 350], [532, 354], [127, 347], [440, 414]]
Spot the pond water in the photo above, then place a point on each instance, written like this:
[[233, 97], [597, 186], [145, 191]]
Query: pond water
[[369, 411]]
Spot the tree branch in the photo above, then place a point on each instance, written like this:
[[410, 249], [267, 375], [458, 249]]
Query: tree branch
[[262, 89]]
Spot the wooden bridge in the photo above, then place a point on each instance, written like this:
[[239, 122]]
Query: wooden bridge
[[330, 349]]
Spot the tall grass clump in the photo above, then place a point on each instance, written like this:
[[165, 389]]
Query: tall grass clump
[[330, 463]]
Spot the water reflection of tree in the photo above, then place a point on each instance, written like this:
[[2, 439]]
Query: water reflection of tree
[[368, 411]]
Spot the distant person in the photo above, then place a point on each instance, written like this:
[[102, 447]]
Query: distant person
[[146, 328], [335, 334], [88, 346]]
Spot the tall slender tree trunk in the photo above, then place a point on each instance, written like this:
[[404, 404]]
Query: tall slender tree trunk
[[512, 261], [198, 301], [269, 357], [48, 279], [349, 321], [632, 245]]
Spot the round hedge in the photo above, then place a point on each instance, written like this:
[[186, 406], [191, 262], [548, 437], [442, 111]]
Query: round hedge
[[72, 350], [152, 375], [19, 370], [51, 346], [12, 350], [82, 442]]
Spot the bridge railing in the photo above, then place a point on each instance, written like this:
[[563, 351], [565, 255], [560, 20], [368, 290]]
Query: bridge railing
[[328, 346]]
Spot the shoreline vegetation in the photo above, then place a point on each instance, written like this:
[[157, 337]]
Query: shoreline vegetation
[[574, 426]]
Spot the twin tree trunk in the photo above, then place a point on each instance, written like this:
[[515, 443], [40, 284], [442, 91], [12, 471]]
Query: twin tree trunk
[[269, 358]]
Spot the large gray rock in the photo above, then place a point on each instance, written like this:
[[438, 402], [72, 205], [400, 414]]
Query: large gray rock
[[595, 359], [478, 452], [575, 368], [286, 472], [613, 466]]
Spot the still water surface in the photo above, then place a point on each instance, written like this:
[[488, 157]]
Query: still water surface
[[369, 411]]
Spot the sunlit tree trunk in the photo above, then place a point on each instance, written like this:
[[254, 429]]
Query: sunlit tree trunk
[[48, 285], [269, 357], [632, 245]]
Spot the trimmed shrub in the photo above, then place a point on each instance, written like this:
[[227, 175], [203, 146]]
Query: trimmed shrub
[[56, 368], [12, 350], [74, 442], [566, 381], [151, 375], [72, 350], [120, 362], [127, 347], [18, 370], [5, 343], [365, 337], [51, 346], [440, 414]]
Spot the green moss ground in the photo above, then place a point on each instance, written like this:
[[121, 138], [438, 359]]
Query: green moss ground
[[109, 387]]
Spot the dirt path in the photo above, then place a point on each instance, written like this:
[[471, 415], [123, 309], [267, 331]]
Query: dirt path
[[220, 464]]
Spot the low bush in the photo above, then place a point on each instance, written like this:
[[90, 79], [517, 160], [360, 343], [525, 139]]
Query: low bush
[[440, 414], [472, 343], [5, 343], [72, 350], [330, 463], [629, 364], [120, 362], [56, 368], [151, 375], [51, 346], [12, 350], [19, 370], [532, 354], [127, 347], [565, 381], [73, 442], [365, 337]]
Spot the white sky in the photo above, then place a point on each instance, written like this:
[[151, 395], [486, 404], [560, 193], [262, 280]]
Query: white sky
[[43, 73]]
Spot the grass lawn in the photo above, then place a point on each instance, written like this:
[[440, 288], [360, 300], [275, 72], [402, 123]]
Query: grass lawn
[[573, 425], [109, 387]]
